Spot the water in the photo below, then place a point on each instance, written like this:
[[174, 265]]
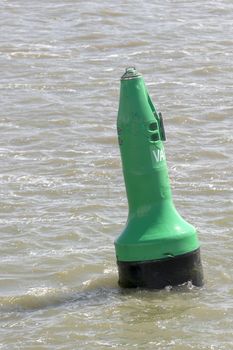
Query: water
[[62, 194]]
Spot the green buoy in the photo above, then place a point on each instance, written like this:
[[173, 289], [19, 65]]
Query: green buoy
[[158, 247]]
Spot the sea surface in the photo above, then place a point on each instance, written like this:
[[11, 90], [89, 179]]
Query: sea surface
[[62, 194]]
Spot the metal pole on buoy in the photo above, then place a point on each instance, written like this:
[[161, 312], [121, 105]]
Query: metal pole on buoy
[[157, 248]]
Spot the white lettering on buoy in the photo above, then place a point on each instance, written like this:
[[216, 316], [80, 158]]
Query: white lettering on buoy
[[159, 155]]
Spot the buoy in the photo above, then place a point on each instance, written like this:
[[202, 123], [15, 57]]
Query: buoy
[[157, 248]]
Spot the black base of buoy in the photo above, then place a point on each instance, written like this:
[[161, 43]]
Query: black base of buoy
[[157, 274]]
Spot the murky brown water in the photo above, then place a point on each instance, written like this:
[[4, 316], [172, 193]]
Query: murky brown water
[[62, 194]]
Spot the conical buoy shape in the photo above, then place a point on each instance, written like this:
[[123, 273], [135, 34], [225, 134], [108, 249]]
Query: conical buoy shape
[[157, 247]]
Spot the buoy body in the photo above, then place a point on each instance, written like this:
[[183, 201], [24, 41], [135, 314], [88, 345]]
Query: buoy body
[[157, 247]]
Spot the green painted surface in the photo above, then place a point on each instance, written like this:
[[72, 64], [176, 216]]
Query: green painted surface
[[154, 228]]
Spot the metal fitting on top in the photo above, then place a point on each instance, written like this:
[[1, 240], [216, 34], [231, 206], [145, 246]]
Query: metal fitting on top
[[130, 73]]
